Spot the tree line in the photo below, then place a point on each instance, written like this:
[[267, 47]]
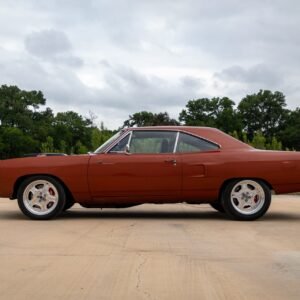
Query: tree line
[[27, 126], [260, 119]]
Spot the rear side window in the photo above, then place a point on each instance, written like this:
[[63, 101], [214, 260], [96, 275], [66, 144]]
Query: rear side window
[[190, 143]]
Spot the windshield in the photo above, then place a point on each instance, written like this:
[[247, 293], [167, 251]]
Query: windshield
[[109, 141]]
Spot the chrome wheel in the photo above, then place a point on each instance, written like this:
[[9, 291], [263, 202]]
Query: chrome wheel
[[247, 197], [40, 197]]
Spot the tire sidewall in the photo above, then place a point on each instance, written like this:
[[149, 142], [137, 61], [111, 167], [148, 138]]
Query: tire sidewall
[[217, 206], [233, 213], [68, 204], [61, 198]]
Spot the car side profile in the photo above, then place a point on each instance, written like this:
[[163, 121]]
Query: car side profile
[[166, 164]]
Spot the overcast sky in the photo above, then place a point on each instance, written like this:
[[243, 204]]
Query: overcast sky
[[117, 57]]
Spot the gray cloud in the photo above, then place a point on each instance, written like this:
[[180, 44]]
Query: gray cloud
[[52, 45], [126, 90], [153, 55], [191, 82], [47, 43], [258, 74]]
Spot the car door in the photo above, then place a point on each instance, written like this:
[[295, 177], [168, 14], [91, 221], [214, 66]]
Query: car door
[[200, 164], [148, 171]]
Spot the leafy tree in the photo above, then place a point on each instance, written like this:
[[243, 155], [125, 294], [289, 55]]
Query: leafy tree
[[274, 145], [20, 110], [244, 137], [80, 148], [163, 118], [264, 111], [99, 136], [17, 107], [290, 135], [48, 145], [96, 138], [145, 118], [14, 143], [226, 118], [215, 112], [198, 113], [71, 128], [25, 126], [234, 134], [259, 141], [62, 146], [43, 124]]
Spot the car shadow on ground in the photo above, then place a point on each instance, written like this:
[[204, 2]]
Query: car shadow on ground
[[204, 215], [120, 214], [142, 214]]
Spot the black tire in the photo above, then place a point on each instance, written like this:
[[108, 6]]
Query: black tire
[[69, 203], [217, 206], [250, 203], [41, 184]]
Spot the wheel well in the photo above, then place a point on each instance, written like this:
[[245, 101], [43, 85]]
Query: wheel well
[[22, 178], [242, 178]]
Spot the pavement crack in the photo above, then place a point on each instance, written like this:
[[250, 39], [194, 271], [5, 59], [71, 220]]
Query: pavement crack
[[139, 278]]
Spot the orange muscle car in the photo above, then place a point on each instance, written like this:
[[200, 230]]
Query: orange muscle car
[[154, 165]]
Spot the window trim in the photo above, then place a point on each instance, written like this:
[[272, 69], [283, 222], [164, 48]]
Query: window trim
[[176, 141], [201, 138], [157, 130], [130, 138], [178, 131], [107, 151]]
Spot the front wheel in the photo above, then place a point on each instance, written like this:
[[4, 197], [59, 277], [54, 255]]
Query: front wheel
[[217, 206], [41, 197], [69, 203], [246, 199]]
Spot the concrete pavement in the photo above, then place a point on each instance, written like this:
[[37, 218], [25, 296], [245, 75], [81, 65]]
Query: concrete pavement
[[173, 251]]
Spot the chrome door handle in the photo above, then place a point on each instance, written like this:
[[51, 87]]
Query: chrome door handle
[[171, 161], [101, 162]]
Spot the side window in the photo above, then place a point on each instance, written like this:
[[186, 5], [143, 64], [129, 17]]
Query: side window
[[152, 141], [121, 145], [189, 143]]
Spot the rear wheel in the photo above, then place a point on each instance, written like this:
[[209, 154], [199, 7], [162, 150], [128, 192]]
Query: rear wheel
[[246, 199], [41, 197]]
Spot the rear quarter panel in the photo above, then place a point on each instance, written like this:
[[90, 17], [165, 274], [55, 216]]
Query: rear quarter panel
[[205, 173], [278, 168]]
